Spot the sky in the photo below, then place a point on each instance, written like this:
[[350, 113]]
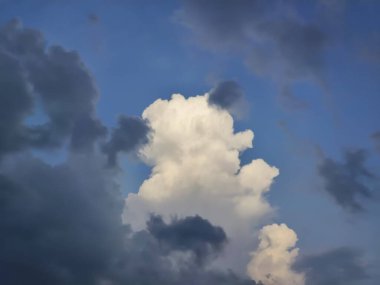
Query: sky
[[189, 142]]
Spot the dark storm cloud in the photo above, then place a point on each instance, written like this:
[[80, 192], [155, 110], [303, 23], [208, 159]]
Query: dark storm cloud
[[340, 266], [49, 80], [347, 181], [130, 133], [193, 234], [269, 35], [376, 140], [62, 225], [226, 94], [58, 225]]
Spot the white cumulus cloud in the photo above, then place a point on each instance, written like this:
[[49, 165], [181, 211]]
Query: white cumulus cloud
[[272, 261], [196, 170]]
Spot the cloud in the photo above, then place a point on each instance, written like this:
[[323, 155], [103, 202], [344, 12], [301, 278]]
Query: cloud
[[59, 225], [369, 49], [273, 260], [348, 181], [131, 133], [50, 80], [196, 170], [226, 94], [62, 224], [271, 38], [93, 18], [376, 140], [339, 266], [193, 234]]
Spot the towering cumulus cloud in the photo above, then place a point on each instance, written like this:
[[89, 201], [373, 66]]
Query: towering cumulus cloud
[[194, 154], [276, 254]]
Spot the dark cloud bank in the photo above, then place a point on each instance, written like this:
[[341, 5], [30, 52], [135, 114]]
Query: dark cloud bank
[[61, 224]]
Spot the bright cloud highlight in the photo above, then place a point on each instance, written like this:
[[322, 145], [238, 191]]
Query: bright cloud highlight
[[196, 170]]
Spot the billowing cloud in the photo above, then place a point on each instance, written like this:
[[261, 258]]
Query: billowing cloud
[[44, 79], [58, 225], [196, 170], [226, 94], [52, 83], [349, 181], [62, 224], [339, 266], [195, 157], [130, 133], [193, 234], [271, 37], [273, 260]]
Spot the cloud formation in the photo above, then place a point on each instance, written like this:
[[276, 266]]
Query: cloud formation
[[130, 133], [271, 38], [339, 266], [193, 234], [62, 224], [376, 140], [196, 170], [348, 181], [273, 260], [48, 80], [58, 225], [226, 95]]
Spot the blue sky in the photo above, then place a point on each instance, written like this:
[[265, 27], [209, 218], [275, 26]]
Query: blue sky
[[138, 51]]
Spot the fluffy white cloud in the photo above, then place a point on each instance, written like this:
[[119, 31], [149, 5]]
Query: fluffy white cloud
[[194, 153], [272, 261]]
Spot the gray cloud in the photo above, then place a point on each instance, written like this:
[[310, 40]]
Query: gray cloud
[[376, 140], [339, 266], [370, 50], [58, 225], [193, 234], [62, 225], [130, 133], [226, 94], [346, 182], [93, 18], [51, 80], [272, 39]]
